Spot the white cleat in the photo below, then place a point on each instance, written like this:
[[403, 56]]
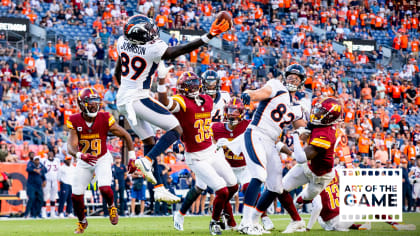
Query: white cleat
[[62, 215], [146, 168], [71, 216], [267, 223], [404, 227], [249, 229], [366, 226], [295, 226], [163, 195], [53, 215], [178, 221], [44, 213], [261, 229]]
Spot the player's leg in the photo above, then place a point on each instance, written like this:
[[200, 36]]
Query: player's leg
[[53, 194], [315, 185], [104, 174], [80, 182], [255, 154]]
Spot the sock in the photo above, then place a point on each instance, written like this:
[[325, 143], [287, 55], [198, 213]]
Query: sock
[[164, 142], [355, 226], [107, 195], [192, 195], [219, 202], [287, 202], [228, 207], [52, 210], [252, 191], [78, 206], [265, 200]]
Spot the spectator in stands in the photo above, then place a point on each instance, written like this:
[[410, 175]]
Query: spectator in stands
[[120, 174], [173, 41], [110, 101], [50, 53], [138, 192], [99, 56], [36, 181], [4, 152]]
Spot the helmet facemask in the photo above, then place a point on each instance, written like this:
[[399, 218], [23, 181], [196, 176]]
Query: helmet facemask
[[91, 106], [210, 86], [292, 82]]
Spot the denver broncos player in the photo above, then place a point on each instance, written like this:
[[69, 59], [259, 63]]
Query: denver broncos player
[[326, 208], [211, 86], [87, 142], [193, 111], [140, 50], [275, 111]]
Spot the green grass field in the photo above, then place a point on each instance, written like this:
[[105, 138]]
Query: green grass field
[[163, 226]]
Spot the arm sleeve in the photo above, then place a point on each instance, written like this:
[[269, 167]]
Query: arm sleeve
[[316, 210], [298, 152]]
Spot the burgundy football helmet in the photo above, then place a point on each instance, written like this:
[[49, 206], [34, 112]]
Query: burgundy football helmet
[[234, 111], [89, 102], [189, 84], [326, 112]]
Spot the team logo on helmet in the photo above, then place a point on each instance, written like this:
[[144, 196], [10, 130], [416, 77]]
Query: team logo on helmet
[[140, 29], [326, 112], [189, 84]]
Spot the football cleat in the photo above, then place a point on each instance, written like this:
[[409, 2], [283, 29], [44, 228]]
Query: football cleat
[[267, 223], [404, 227], [113, 215], [365, 226], [178, 221], [81, 227], [215, 228], [163, 195], [295, 226], [249, 229], [146, 168]]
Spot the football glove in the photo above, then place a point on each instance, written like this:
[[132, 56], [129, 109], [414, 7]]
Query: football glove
[[246, 99], [88, 158], [302, 130], [221, 143], [163, 70], [217, 29]]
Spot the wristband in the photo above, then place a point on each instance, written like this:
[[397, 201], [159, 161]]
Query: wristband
[[205, 38], [79, 155], [161, 88], [131, 155]]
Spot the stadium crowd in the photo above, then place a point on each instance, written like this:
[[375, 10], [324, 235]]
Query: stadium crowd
[[381, 121]]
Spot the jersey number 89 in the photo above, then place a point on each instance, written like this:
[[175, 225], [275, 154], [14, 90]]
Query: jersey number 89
[[137, 64]]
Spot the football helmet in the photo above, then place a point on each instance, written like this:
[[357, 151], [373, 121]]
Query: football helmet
[[326, 112], [89, 101], [211, 82], [140, 29], [234, 111], [291, 83], [189, 84]]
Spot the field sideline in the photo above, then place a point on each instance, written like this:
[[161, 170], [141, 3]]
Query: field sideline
[[195, 225]]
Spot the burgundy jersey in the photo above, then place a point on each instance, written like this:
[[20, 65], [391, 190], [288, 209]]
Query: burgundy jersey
[[92, 139], [195, 122], [323, 137], [220, 130], [330, 200]]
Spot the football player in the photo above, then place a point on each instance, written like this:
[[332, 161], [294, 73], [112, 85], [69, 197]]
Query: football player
[[193, 111], [415, 181], [211, 86], [139, 52], [275, 111], [233, 126], [326, 208], [51, 187], [87, 142]]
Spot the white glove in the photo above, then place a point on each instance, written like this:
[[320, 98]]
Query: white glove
[[302, 130], [163, 70], [222, 142], [132, 155]]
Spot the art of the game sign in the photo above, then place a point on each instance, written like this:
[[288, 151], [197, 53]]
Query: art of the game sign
[[17, 25], [370, 195]]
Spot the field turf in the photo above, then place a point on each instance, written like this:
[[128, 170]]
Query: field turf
[[194, 225]]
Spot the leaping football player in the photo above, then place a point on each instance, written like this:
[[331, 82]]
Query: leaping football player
[[87, 142], [139, 52], [193, 111]]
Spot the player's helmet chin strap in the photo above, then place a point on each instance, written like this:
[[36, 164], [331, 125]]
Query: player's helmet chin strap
[[233, 121]]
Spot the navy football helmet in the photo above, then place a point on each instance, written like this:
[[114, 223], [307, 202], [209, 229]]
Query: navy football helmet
[[211, 82], [140, 29], [292, 84]]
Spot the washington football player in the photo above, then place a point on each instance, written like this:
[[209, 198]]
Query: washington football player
[[87, 142]]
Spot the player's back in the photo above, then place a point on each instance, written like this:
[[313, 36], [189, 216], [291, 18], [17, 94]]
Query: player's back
[[276, 112], [323, 137], [92, 138], [330, 200], [222, 98], [220, 131], [138, 66], [195, 122]]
